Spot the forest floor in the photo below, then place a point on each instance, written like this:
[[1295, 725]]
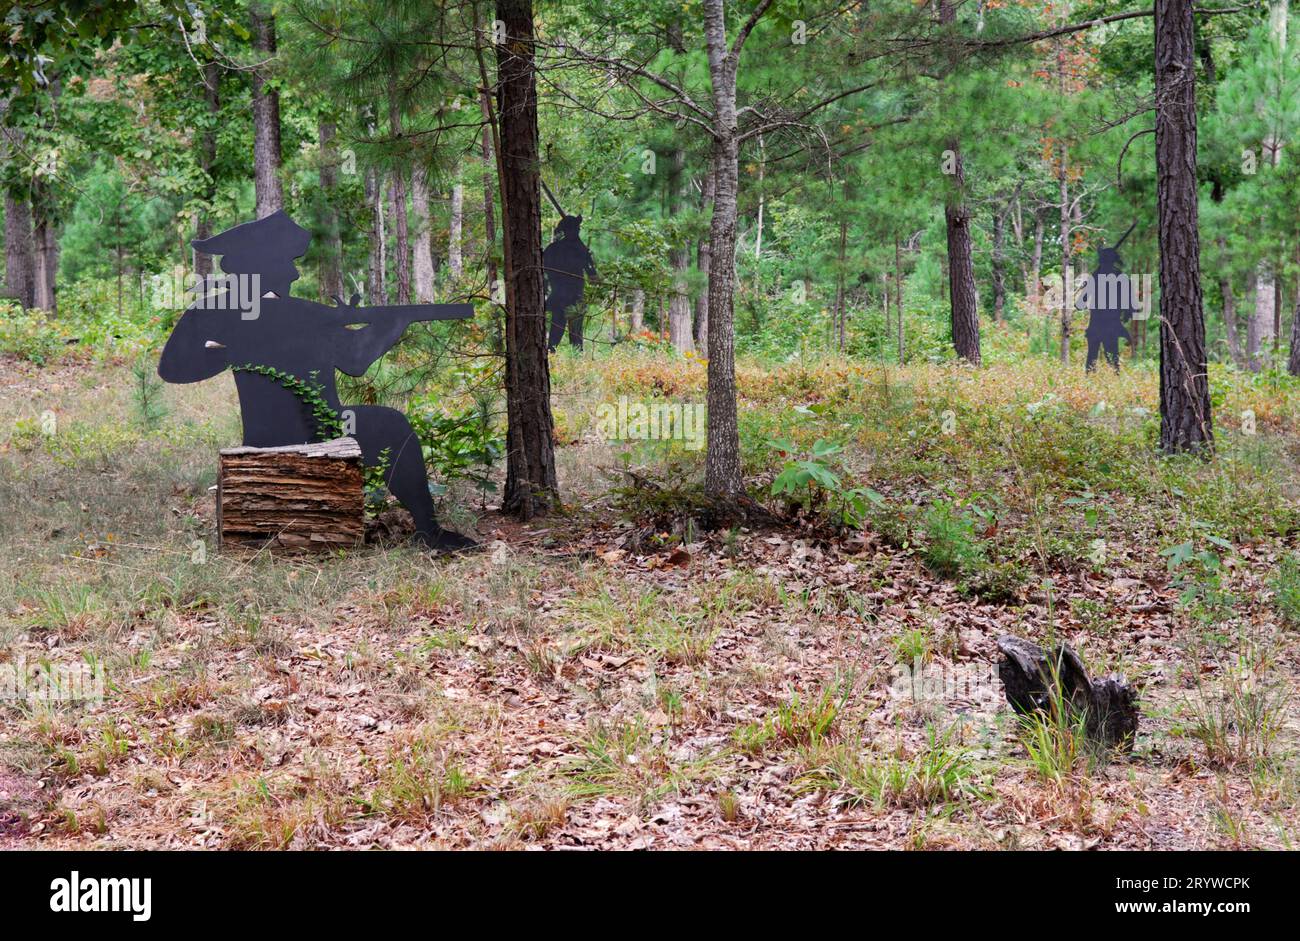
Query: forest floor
[[617, 676]]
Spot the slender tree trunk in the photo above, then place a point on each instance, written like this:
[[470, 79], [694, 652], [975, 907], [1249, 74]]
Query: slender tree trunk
[[637, 317], [1261, 331], [999, 264], [898, 298], [266, 119], [1034, 288], [207, 163], [1230, 328], [376, 290], [331, 259], [679, 310], [20, 255], [422, 243], [401, 231], [1293, 360], [489, 210], [722, 475], [704, 261], [531, 483], [841, 302], [455, 260], [1067, 286], [1185, 421], [45, 245]]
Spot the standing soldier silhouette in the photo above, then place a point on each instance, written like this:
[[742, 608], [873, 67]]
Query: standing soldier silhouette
[[307, 342], [567, 264], [1110, 305]]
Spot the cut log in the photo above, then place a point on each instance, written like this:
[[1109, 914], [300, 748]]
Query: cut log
[[1109, 705], [303, 496]]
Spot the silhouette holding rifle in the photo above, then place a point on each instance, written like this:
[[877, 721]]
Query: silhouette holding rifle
[[1110, 305], [307, 342], [567, 263]]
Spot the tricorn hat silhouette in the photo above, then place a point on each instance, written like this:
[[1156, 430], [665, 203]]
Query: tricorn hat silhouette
[[276, 236]]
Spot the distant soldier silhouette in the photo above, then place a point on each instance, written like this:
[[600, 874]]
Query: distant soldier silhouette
[[567, 263], [1111, 304], [307, 341]]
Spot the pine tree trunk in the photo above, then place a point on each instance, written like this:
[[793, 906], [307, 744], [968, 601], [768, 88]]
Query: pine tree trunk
[[45, 246], [1293, 361], [20, 254], [397, 192], [1185, 421], [961, 271], [1261, 330], [331, 258], [266, 119], [207, 163], [722, 476], [1034, 288], [999, 265], [376, 290], [456, 226], [1230, 321], [489, 206], [961, 263], [704, 261], [531, 483], [422, 242], [679, 310], [636, 322]]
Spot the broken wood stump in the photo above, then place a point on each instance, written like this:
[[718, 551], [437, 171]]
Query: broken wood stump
[[1108, 705], [301, 496]]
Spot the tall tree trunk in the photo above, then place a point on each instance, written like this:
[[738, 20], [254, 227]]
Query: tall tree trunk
[[1185, 421], [207, 162], [397, 192], [1067, 276], [898, 298], [266, 118], [636, 322], [489, 203], [20, 254], [45, 247], [1230, 328], [456, 226], [376, 289], [1293, 361], [961, 261], [422, 243], [841, 302], [679, 310], [722, 475], [331, 258], [961, 270], [531, 482], [1034, 287], [999, 264], [1261, 329], [704, 260]]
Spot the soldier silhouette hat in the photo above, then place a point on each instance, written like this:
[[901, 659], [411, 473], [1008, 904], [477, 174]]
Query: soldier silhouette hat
[[307, 342]]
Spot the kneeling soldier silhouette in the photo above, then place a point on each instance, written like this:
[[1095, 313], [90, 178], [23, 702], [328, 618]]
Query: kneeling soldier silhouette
[[279, 334]]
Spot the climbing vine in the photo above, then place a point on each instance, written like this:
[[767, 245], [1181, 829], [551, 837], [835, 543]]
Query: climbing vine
[[329, 424]]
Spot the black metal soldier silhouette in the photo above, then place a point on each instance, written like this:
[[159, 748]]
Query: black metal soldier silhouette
[[1110, 305], [567, 263], [306, 341]]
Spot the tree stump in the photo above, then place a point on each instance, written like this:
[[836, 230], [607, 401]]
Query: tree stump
[[302, 496], [1109, 705]]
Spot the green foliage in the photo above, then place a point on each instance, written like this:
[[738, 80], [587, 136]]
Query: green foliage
[[329, 424], [29, 335], [147, 394], [465, 446], [952, 547], [809, 481]]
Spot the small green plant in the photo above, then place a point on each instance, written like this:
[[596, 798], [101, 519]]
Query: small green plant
[[1199, 576], [1286, 591], [809, 481], [952, 547], [464, 446], [147, 393]]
